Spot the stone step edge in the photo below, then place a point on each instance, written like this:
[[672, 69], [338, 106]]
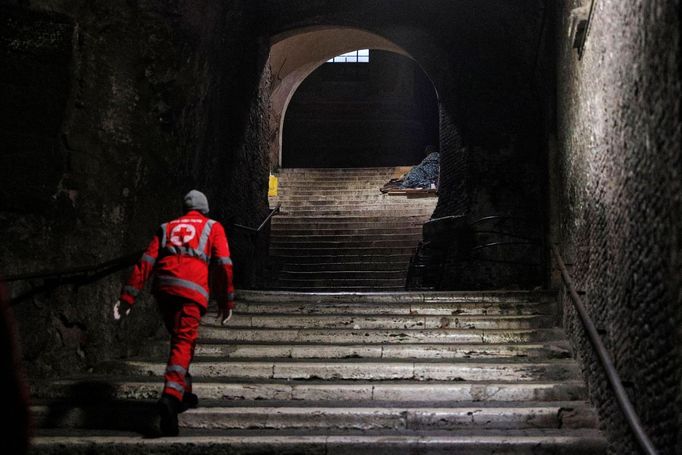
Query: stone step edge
[[258, 295], [549, 344], [353, 362], [226, 381], [573, 441], [374, 320], [316, 288], [331, 390], [307, 351], [409, 307], [555, 331], [341, 405], [375, 372], [569, 415]]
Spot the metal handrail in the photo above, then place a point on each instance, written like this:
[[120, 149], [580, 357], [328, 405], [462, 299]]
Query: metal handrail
[[264, 223], [492, 244], [588, 26], [610, 370], [509, 234], [508, 239], [75, 275], [74, 272], [497, 217], [88, 273]]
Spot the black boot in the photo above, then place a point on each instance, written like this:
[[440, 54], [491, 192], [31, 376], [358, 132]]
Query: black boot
[[168, 407], [189, 401]]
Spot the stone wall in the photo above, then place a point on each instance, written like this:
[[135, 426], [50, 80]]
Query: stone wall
[[118, 108], [618, 206]]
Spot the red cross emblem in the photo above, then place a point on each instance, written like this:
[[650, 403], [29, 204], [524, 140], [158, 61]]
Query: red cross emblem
[[182, 234]]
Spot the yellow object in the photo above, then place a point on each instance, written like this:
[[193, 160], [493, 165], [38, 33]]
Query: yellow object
[[272, 185]]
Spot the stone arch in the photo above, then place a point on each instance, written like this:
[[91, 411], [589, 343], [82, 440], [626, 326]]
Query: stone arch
[[296, 54]]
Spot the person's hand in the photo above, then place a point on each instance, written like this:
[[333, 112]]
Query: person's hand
[[121, 310], [224, 314]]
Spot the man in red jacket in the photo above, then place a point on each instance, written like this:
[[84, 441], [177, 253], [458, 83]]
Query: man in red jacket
[[179, 256]]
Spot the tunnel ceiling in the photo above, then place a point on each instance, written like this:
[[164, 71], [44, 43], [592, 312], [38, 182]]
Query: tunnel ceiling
[[480, 55], [500, 34]]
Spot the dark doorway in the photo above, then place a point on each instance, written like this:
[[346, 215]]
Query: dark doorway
[[383, 112]]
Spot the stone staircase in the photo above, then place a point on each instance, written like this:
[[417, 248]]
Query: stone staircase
[[344, 373], [338, 232]]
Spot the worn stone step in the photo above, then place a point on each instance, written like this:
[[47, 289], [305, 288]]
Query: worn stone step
[[358, 182], [385, 224], [305, 230], [416, 206], [350, 210], [336, 173], [360, 220], [302, 250], [331, 182], [283, 227], [330, 227], [377, 336], [360, 204], [388, 170], [357, 209], [358, 322], [367, 281], [283, 232], [348, 274], [285, 189], [375, 217], [371, 198], [472, 308], [444, 297], [331, 284], [538, 442], [396, 266], [356, 185], [291, 258], [547, 350], [337, 177], [284, 415], [317, 288], [399, 244], [381, 179], [287, 237], [340, 281], [317, 241], [357, 369], [332, 287], [329, 193], [89, 388]]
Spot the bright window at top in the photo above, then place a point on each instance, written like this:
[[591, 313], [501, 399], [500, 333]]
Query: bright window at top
[[359, 56]]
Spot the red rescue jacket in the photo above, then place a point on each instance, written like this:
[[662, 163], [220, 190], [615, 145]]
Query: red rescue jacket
[[179, 255]]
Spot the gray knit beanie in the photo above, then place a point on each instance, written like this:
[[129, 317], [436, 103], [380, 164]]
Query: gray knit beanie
[[195, 200]]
